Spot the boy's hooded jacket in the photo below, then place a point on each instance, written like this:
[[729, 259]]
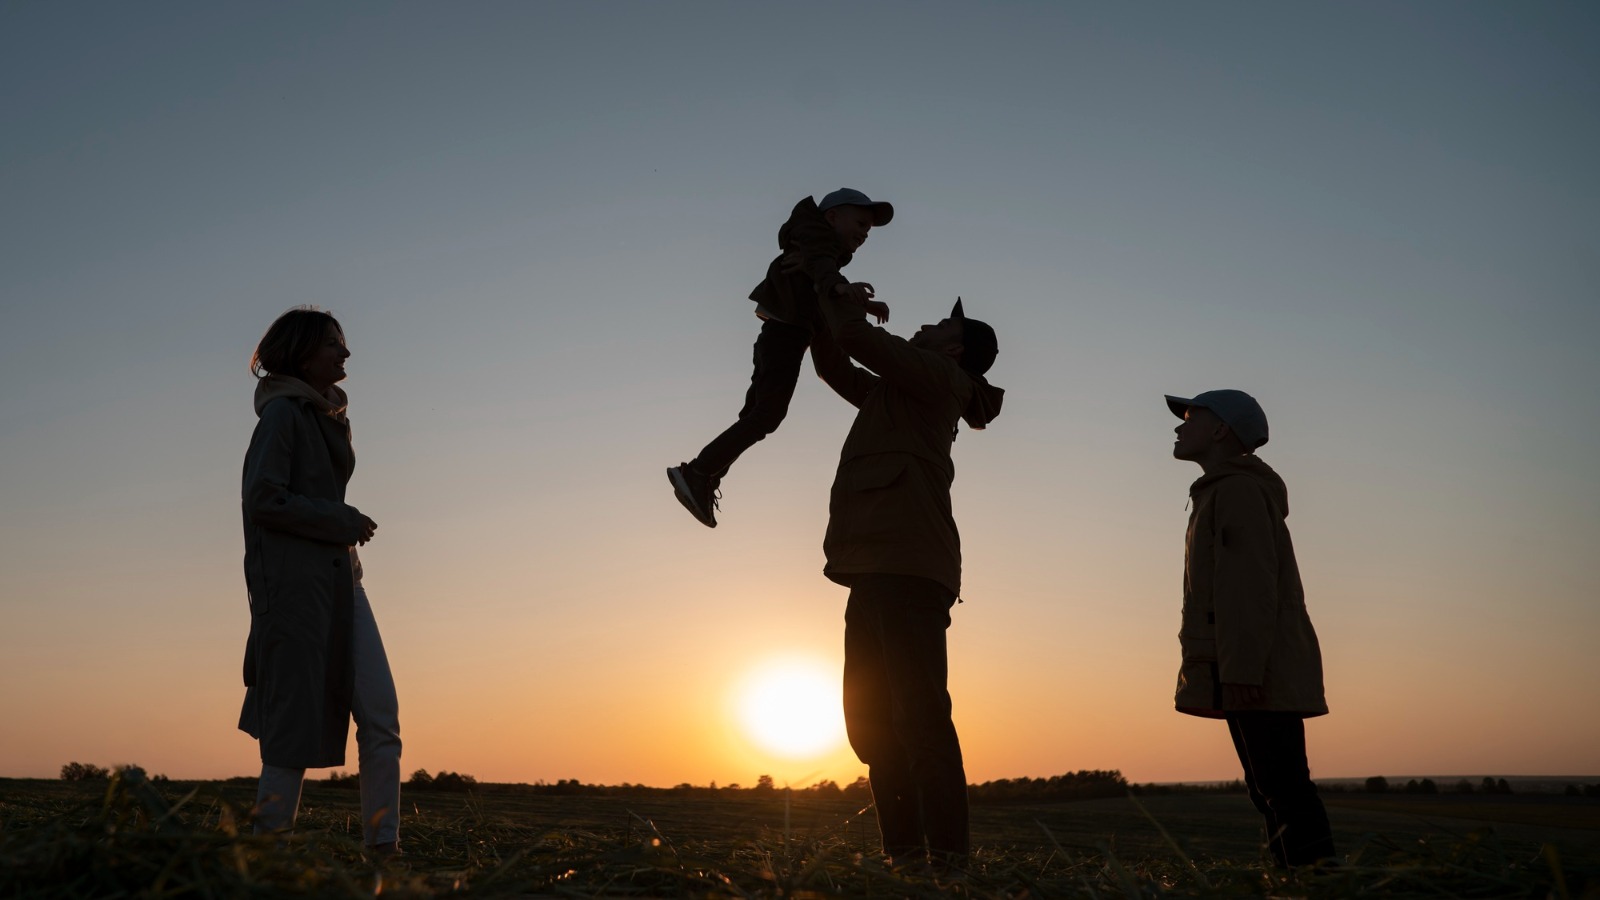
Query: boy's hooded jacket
[[792, 297], [1244, 611], [300, 566], [889, 512]]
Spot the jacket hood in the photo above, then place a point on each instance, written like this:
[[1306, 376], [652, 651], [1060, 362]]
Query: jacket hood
[[271, 387], [803, 212], [1254, 467], [984, 405]]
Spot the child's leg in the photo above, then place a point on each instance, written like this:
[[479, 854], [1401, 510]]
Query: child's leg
[[779, 351], [1272, 746], [277, 799]]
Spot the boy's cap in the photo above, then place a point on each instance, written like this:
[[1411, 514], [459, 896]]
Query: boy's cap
[[1237, 410], [978, 342], [882, 212]]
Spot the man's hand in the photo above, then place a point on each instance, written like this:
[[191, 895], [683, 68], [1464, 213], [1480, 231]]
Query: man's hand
[[1236, 696], [368, 528], [877, 310], [791, 262], [857, 292]]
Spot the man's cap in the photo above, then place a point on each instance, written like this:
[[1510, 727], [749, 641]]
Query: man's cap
[[1237, 410], [978, 341], [882, 212]]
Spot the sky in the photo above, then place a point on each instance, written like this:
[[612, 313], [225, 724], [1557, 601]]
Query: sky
[[538, 224]]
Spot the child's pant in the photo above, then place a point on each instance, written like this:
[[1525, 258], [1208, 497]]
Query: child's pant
[[376, 711], [779, 351], [1272, 749]]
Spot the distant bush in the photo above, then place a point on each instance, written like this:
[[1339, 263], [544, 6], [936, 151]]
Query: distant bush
[[1463, 786], [77, 771], [1081, 785], [1377, 784], [454, 782]]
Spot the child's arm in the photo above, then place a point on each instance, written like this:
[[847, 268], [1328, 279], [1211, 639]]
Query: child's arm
[[858, 292]]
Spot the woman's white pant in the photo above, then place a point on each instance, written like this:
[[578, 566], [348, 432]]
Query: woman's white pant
[[376, 711]]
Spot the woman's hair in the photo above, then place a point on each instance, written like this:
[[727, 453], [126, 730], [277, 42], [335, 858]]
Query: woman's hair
[[290, 340]]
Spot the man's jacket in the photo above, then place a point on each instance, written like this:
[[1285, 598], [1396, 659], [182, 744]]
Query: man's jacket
[[1244, 611], [792, 297], [889, 512]]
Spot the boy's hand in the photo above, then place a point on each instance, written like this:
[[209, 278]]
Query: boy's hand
[[877, 310], [857, 292], [1236, 696]]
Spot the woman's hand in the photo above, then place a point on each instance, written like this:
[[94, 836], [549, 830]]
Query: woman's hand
[[368, 528]]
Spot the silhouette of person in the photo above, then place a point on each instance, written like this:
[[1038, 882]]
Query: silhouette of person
[[892, 540], [1250, 655], [816, 242], [314, 658]]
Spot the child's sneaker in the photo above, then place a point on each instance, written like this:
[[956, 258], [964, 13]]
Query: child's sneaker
[[698, 493]]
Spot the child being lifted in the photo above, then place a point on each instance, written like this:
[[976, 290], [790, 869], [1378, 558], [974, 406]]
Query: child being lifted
[[816, 242]]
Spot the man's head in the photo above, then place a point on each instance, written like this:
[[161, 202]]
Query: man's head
[[971, 343], [1217, 425], [852, 214]]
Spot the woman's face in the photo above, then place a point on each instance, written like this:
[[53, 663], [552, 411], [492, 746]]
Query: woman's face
[[324, 367]]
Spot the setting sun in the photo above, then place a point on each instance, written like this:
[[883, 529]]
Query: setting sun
[[791, 708]]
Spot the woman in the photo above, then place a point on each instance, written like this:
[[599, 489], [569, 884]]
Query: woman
[[314, 658]]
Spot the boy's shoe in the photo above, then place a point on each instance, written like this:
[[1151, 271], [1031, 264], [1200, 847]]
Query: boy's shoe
[[698, 493]]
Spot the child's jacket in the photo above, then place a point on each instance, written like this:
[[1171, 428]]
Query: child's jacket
[[1244, 611], [792, 297]]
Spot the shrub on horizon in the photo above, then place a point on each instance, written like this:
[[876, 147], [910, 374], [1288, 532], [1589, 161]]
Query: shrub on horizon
[[77, 771]]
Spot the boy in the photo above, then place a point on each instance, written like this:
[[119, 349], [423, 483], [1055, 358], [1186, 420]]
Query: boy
[[1250, 655], [816, 242]]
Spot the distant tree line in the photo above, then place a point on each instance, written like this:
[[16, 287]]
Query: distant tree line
[[1081, 785], [1085, 784], [77, 771]]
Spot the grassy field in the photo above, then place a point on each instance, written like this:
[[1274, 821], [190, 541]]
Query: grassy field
[[132, 838]]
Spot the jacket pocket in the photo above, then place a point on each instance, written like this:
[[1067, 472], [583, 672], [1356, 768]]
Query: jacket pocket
[[876, 476]]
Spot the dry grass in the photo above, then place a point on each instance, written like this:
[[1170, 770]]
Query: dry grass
[[139, 839]]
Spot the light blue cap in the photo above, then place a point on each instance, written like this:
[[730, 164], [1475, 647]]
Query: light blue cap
[[882, 211], [1237, 410]]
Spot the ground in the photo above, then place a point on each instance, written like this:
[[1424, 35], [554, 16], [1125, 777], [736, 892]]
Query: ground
[[178, 839]]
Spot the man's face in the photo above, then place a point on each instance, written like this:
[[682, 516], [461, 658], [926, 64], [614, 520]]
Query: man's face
[[1197, 434], [852, 224], [945, 335]]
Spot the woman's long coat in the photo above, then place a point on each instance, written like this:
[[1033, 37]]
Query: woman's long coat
[[298, 565]]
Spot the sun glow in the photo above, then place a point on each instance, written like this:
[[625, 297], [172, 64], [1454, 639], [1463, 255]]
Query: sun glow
[[791, 708]]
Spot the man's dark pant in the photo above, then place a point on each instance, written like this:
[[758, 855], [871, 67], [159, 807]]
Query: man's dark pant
[[779, 351], [897, 713], [1272, 749]]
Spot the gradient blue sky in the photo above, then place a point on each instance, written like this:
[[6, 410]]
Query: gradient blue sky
[[538, 223]]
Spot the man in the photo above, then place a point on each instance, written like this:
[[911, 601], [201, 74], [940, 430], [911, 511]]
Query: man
[[893, 541], [1250, 655]]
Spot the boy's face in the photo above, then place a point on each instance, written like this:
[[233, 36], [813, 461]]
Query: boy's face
[[1197, 434], [852, 224]]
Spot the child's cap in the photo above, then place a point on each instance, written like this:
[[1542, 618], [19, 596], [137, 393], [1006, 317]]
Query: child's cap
[[1237, 410], [979, 344], [882, 212]]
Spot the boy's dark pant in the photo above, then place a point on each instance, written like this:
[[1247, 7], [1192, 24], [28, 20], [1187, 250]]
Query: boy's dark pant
[[897, 713], [779, 351], [1272, 749]]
